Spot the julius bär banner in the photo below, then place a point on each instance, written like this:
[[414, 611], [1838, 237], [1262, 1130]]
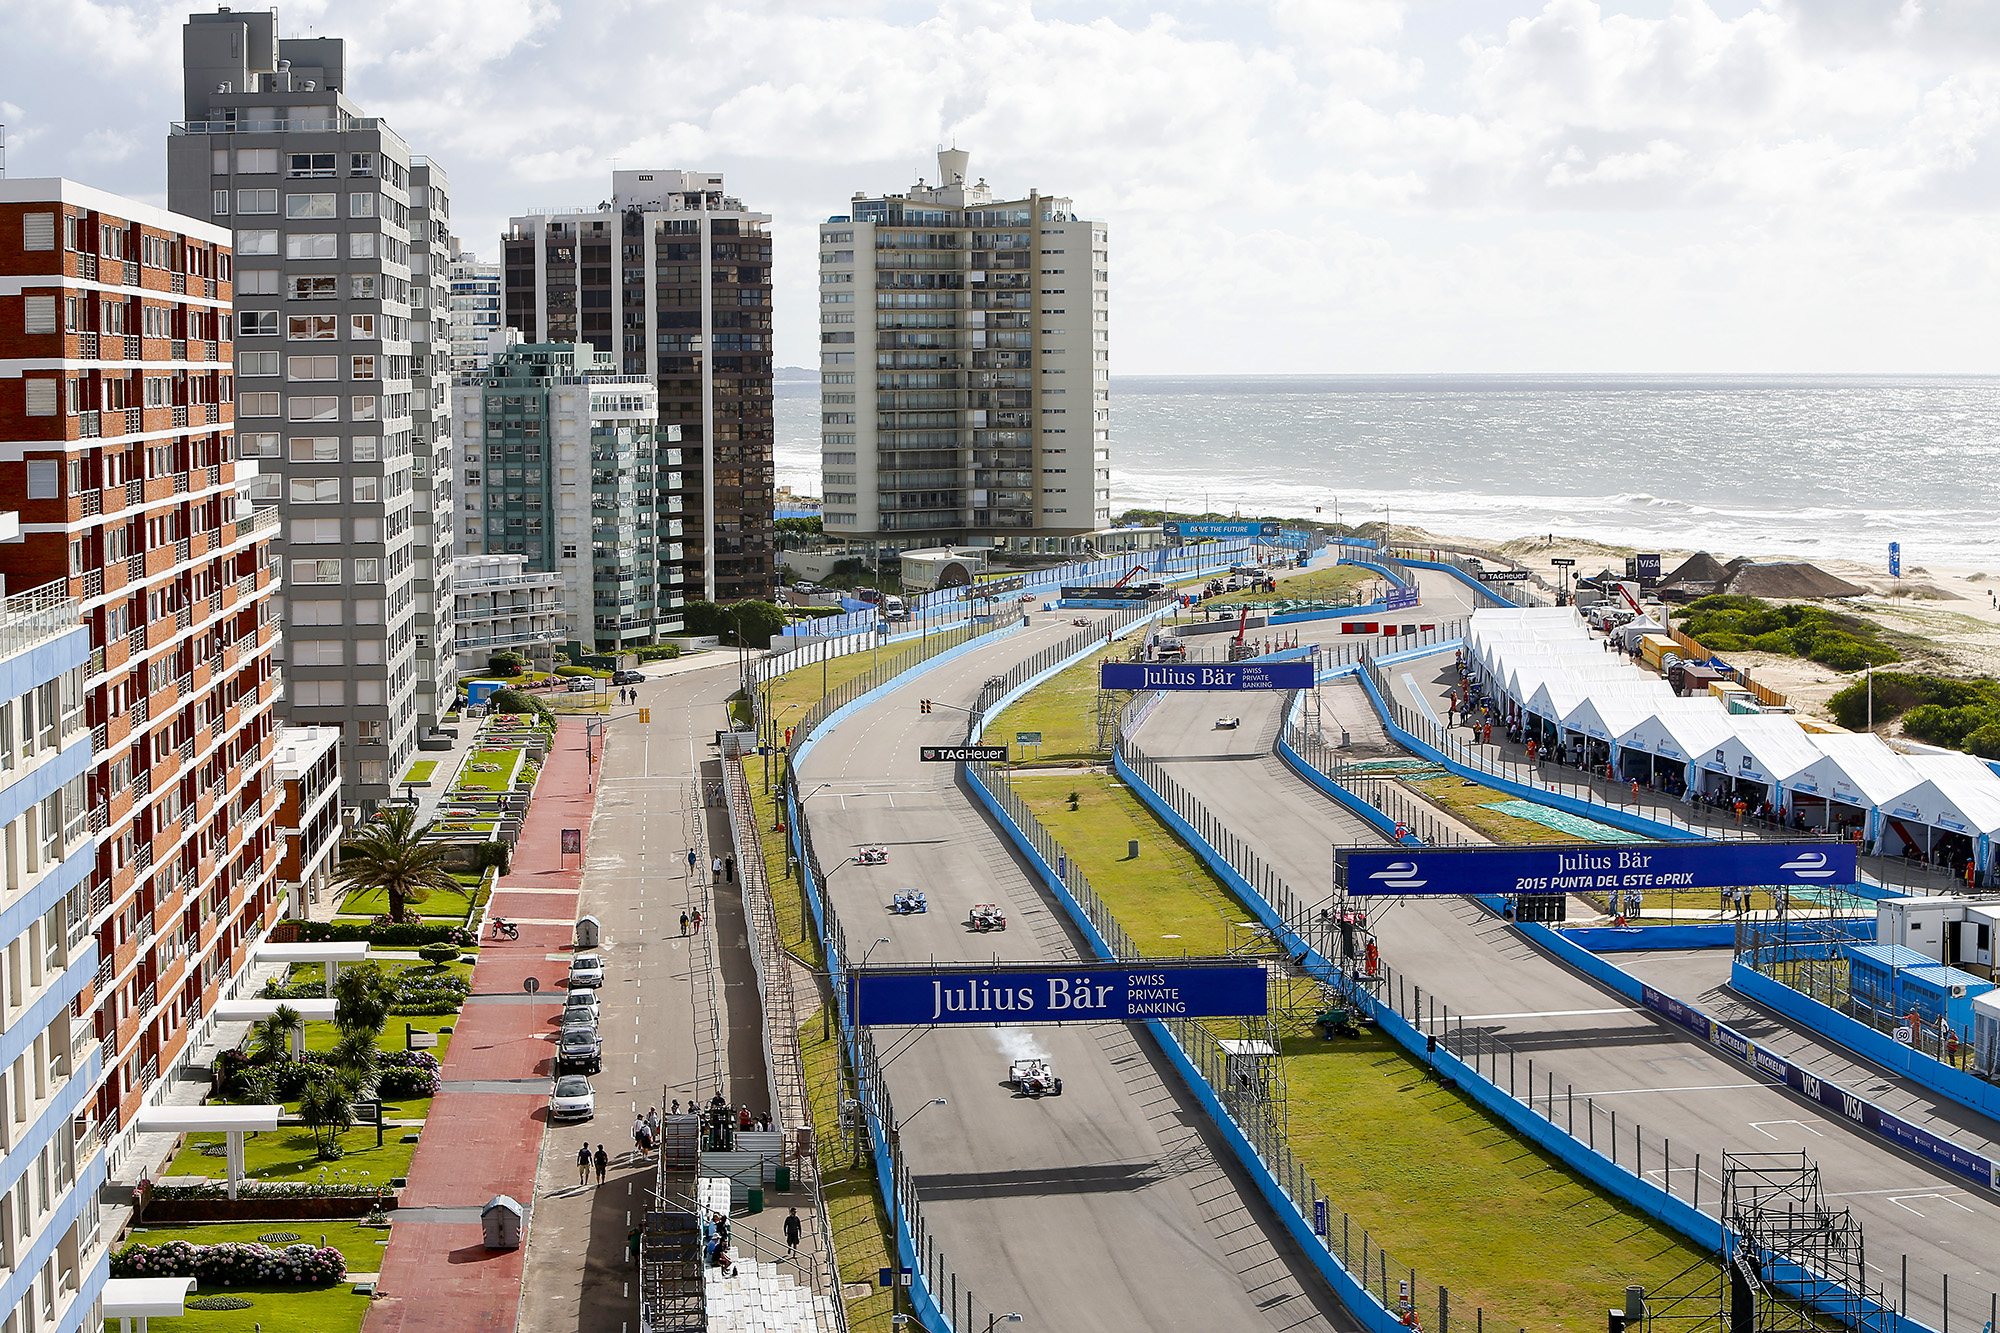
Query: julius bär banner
[[1429, 871], [1051, 994]]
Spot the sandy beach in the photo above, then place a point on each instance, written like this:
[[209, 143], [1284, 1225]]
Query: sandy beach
[[1941, 620]]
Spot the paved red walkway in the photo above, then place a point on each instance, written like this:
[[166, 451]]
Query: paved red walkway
[[438, 1276]]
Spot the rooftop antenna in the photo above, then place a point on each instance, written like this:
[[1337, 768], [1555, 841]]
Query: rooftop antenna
[[3, 150]]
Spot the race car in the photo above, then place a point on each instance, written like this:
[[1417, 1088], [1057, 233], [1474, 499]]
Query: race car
[[1033, 1078], [872, 856], [906, 903], [987, 916], [1228, 723]]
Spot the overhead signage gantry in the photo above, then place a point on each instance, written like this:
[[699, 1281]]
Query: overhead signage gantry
[[1010, 993]]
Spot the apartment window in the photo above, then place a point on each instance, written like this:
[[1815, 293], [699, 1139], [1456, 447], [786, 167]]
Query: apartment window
[[157, 391], [312, 327], [361, 407], [568, 551], [41, 398], [315, 532], [257, 324], [312, 409], [361, 326], [311, 367], [257, 405], [361, 205], [361, 368], [256, 201], [371, 733], [257, 363], [318, 693], [319, 652], [315, 490], [257, 282], [367, 652], [44, 481], [367, 489], [315, 448], [315, 571], [39, 314], [311, 205], [321, 288], [312, 164], [256, 242], [368, 613], [367, 449], [299, 612], [367, 569], [256, 161], [257, 444], [361, 164], [361, 244], [313, 245], [219, 203], [362, 287]]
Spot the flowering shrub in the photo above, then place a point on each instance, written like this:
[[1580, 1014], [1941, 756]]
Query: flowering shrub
[[408, 1074], [233, 1264], [265, 1189]]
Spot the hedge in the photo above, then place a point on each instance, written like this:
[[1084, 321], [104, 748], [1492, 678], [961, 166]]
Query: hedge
[[400, 935], [233, 1263]]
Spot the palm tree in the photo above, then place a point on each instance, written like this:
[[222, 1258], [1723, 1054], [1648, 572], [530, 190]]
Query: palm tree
[[361, 999], [327, 1109], [357, 1059], [392, 855], [271, 1036]]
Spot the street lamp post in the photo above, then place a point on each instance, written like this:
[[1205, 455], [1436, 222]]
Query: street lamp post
[[993, 1319], [896, 1191]]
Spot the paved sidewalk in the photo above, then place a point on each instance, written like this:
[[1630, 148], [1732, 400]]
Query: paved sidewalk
[[486, 1127]]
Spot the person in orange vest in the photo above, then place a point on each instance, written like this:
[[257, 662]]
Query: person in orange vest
[[1486, 733], [1373, 960]]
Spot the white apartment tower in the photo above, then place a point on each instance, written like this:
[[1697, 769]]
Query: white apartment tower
[[965, 353]]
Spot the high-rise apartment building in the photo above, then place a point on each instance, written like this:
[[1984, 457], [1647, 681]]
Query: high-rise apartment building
[[965, 352], [342, 307], [50, 1059], [116, 431], [475, 312], [561, 464], [503, 606], [672, 276]]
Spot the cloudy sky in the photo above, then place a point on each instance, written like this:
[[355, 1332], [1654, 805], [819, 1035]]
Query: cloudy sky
[[1291, 185]]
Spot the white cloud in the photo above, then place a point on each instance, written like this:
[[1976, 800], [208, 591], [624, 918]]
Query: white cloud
[[1294, 185]]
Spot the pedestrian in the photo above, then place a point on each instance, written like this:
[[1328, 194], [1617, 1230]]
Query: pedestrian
[[767, 1122], [583, 1164], [743, 1117], [718, 870], [638, 1132], [653, 1120], [603, 1160], [792, 1228], [676, 1108], [697, 921], [684, 923], [632, 1246], [729, 869], [690, 860]]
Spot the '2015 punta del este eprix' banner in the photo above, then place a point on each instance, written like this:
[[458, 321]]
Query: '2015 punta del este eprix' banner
[[1432, 872]]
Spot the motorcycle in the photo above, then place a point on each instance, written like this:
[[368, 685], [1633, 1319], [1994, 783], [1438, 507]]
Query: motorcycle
[[504, 929]]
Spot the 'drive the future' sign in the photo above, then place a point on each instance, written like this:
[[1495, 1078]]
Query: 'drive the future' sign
[[1205, 676], [1054, 994], [1428, 872]]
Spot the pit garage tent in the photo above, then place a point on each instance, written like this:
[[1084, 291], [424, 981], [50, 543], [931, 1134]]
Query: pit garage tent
[[1957, 795], [1854, 780], [1764, 752]]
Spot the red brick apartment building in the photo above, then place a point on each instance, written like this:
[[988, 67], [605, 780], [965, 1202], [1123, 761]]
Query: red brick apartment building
[[117, 447]]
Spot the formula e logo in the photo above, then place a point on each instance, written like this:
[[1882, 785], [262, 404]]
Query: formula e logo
[[1398, 875], [1808, 865]]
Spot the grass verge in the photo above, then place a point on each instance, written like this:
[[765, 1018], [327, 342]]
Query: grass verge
[[853, 1204], [361, 1245], [1338, 583], [289, 1154], [334, 1309], [1064, 709]]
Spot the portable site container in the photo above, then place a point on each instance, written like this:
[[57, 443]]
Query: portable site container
[[1653, 647], [1986, 1036], [1941, 992], [1873, 969], [1934, 925]]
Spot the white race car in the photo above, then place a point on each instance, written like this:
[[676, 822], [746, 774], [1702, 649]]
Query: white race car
[[872, 856], [987, 916], [1228, 723], [1033, 1078], [905, 904]]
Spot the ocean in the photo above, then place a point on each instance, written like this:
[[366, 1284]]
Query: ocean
[[1807, 466]]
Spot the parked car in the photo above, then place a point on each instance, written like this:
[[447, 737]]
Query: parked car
[[586, 969], [572, 1098], [583, 998], [578, 1051], [627, 677], [582, 684]]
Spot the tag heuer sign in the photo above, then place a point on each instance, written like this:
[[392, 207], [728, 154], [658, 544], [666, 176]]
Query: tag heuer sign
[[962, 754], [1502, 575]]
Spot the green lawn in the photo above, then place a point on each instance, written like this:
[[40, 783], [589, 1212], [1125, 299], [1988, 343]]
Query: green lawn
[[361, 1245], [853, 1204], [451, 904], [333, 1309], [1063, 708], [501, 779], [420, 771], [1336, 583], [288, 1154]]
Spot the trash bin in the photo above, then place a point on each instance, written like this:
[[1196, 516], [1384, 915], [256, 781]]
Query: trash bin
[[756, 1202], [783, 1184], [501, 1220], [586, 933]]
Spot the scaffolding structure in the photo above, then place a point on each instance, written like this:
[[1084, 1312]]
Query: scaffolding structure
[[1797, 1263]]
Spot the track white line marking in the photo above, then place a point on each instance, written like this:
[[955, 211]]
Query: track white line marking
[[1699, 1087], [1547, 1013]]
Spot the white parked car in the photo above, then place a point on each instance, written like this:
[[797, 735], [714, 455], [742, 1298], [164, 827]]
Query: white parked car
[[586, 969], [581, 999], [572, 1099]]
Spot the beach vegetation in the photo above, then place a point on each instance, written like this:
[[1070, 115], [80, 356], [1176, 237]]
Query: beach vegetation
[[1957, 713], [1733, 624]]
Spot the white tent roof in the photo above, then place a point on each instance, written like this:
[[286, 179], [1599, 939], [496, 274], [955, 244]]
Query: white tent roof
[[1763, 749], [146, 1297], [249, 1011], [1957, 792], [1858, 770], [219, 1118], [1607, 715], [355, 951], [1689, 734]]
